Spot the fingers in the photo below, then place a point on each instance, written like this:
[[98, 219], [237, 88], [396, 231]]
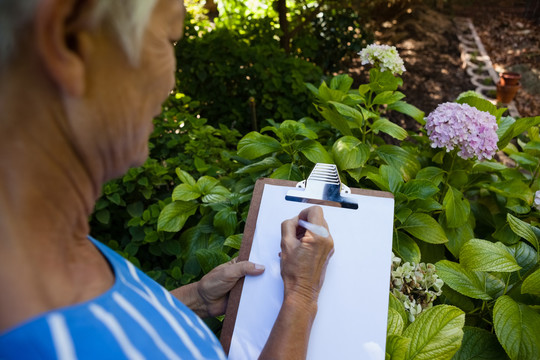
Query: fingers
[[314, 215], [239, 269]]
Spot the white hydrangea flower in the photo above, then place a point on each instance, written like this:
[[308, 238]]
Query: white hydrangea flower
[[415, 285], [536, 200], [384, 56]]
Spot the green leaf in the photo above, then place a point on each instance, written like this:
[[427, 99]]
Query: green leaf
[[315, 152], [436, 333], [219, 194], [382, 81], [525, 256], [479, 103], [225, 221], [287, 172], [135, 209], [388, 127], [388, 97], [335, 119], [396, 347], [185, 177], [290, 129], [457, 236], [531, 284], [431, 173], [427, 205], [265, 164], [419, 189], [209, 259], [341, 82], [186, 192], [391, 178], [425, 228], [234, 241], [116, 199], [255, 144], [504, 132], [522, 229], [455, 298], [532, 147], [456, 208], [103, 216], [395, 324], [327, 94], [206, 184], [408, 109], [172, 247], [176, 273], [313, 89], [462, 280], [401, 159], [398, 306], [173, 216], [488, 166], [526, 161], [512, 189], [494, 284], [406, 248], [516, 128], [482, 255], [350, 153], [518, 328], [479, 344], [349, 111]]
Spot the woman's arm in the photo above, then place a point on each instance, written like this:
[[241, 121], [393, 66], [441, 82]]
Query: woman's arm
[[304, 257]]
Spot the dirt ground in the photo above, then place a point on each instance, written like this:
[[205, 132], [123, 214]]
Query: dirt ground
[[427, 41]]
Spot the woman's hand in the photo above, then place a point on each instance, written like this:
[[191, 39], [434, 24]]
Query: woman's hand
[[208, 297], [304, 256]]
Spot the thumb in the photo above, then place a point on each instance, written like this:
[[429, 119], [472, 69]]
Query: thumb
[[248, 268]]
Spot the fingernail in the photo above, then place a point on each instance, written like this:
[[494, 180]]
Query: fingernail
[[259, 267]]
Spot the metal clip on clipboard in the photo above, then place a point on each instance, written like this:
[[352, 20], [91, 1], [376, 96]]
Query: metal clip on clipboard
[[323, 186]]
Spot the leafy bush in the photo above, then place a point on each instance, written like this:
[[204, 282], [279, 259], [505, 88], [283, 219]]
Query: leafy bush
[[335, 35], [241, 83], [126, 216]]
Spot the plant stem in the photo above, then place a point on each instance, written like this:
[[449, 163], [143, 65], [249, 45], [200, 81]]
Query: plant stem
[[446, 185], [535, 174], [507, 282]]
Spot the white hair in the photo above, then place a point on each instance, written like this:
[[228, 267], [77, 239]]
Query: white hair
[[127, 18]]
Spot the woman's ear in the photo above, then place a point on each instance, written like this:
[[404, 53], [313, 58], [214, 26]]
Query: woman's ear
[[62, 33]]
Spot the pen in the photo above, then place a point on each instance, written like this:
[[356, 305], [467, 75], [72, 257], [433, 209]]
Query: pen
[[315, 229]]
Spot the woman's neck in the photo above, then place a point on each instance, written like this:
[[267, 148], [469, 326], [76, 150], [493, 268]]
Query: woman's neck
[[46, 197]]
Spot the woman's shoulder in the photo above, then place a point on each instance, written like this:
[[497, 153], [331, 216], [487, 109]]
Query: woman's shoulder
[[134, 318]]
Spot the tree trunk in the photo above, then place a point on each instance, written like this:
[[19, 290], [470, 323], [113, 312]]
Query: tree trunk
[[285, 40]]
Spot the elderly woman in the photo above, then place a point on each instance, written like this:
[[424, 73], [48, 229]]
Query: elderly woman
[[80, 83]]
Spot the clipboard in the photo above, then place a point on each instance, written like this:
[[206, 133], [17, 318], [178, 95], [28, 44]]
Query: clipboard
[[255, 300]]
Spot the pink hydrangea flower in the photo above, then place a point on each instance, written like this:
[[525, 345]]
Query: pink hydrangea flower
[[384, 56], [464, 127]]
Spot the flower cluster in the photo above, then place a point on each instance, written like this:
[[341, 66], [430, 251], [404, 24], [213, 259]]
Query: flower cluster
[[415, 285], [453, 125], [537, 199], [384, 56]]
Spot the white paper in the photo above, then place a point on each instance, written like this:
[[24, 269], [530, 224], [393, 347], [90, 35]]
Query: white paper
[[353, 303]]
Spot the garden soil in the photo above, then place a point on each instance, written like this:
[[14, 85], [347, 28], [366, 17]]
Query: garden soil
[[426, 40]]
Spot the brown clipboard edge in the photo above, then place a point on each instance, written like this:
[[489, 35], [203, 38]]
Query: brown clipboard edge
[[245, 249]]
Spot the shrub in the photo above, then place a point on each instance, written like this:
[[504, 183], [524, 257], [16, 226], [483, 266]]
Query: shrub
[[240, 84]]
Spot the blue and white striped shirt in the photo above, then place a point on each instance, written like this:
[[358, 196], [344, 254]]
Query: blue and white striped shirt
[[135, 319]]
